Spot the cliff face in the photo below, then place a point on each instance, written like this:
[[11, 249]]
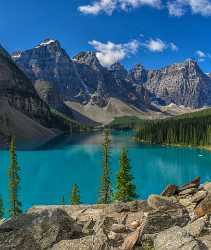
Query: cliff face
[[17, 95], [182, 84], [82, 79], [49, 62]]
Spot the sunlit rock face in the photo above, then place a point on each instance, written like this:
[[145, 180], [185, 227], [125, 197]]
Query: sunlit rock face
[[182, 84]]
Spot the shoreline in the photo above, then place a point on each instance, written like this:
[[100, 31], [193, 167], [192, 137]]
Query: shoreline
[[205, 147]]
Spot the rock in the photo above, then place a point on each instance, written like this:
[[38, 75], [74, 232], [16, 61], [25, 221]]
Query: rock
[[20, 104], [181, 83], [134, 224], [114, 236], [200, 195], [193, 184], [83, 79], [196, 227], [159, 220], [42, 230], [133, 206], [206, 241], [88, 227], [118, 228], [204, 207], [186, 202], [188, 191], [175, 238], [207, 187], [159, 202], [84, 243], [105, 223], [170, 190]]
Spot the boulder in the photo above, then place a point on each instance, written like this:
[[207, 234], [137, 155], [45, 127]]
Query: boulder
[[193, 184], [159, 202], [105, 223], [200, 195], [206, 241], [188, 191], [159, 220], [118, 228], [196, 227], [170, 190], [133, 206], [41, 230], [84, 243], [207, 187], [18, 240], [204, 207], [134, 224], [175, 238]]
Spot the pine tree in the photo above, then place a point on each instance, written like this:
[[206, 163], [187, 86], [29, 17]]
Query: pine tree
[[14, 181], [105, 188], [125, 189], [75, 195], [62, 200], [1, 208]]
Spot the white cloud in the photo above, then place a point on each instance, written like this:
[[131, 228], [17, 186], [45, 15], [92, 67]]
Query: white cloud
[[173, 47], [108, 6], [175, 8], [156, 45], [179, 7], [110, 53]]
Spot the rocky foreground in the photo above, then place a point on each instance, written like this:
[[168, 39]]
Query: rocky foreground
[[179, 218]]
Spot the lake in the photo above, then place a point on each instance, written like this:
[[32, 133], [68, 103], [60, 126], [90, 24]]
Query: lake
[[49, 172]]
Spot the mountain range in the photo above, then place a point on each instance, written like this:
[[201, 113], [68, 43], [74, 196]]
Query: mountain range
[[36, 81], [98, 93]]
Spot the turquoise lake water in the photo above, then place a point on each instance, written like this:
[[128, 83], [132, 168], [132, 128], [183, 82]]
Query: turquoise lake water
[[50, 172]]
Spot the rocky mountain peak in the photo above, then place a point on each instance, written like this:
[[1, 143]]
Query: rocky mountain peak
[[138, 74], [49, 43], [89, 58], [182, 83], [118, 71]]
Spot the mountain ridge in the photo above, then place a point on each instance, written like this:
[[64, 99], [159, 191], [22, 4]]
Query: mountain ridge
[[84, 80]]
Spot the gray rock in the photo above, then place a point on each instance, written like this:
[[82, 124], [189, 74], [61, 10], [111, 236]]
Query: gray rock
[[196, 227], [207, 187], [82, 79], [182, 84], [206, 241], [84, 243], [17, 93], [188, 191], [175, 238], [41, 230], [159, 220], [200, 195], [159, 202], [118, 228]]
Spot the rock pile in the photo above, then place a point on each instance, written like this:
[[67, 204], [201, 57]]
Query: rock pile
[[179, 218]]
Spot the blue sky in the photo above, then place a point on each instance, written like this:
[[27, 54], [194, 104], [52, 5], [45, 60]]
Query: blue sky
[[154, 33]]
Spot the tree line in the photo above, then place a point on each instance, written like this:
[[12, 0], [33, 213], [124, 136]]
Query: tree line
[[125, 190], [191, 129]]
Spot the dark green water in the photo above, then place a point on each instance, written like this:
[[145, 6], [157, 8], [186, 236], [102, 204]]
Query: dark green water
[[49, 173]]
